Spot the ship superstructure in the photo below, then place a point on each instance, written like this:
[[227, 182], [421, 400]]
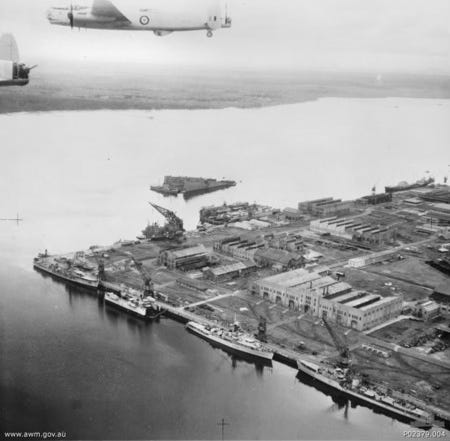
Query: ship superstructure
[[403, 186], [74, 269], [343, 381], [232, 340]]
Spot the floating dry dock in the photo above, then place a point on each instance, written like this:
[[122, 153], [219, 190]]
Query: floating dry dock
[[190, 186]]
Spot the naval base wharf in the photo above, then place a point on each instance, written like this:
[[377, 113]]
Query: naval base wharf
[[237, 343], [333, 375]]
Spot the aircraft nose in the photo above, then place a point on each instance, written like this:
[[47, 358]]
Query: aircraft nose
[[50, 14]]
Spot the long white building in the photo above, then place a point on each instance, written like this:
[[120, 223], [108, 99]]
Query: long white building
[[323, 296]]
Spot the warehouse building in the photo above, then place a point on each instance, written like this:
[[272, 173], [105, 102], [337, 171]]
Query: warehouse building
[[439, 195], [292, 214], [360, 310], [284, 241], [353, 229], [280, 260], [323, 296], [239, 247], [375, 199], [294, 288], [427, 309], [308, 206], [185, 258], [230, 271], [326, 207]]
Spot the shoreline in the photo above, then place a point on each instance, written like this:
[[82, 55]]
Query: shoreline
[[151, 110], [280, 355]]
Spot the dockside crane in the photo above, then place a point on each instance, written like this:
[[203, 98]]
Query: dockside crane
[[262, 329], [174, 226], [146, 278], [100, 267], [170, 216], [341, 346]]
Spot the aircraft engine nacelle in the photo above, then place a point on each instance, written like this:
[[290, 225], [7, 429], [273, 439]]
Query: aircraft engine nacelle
[[162, 33]]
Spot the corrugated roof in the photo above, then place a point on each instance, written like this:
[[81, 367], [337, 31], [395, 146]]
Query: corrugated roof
[[338, 287], [345, 297], [225, 269], [200, 249], [280, 256], [382, 301], [293, 278], [361, 300]]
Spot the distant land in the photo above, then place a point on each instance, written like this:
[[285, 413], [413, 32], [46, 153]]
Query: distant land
[[103, 88]]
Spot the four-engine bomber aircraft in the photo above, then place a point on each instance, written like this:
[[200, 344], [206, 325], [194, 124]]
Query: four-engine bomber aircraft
[[12, 72], [160, 16]]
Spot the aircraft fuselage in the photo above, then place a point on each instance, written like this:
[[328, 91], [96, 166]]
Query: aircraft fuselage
[[14, 82], [160, 16]]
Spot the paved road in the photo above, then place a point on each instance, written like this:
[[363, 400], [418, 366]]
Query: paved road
[[213, 299], [389, 322]]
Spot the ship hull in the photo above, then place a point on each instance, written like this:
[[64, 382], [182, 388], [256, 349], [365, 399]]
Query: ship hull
[[404, 415], [164, 191], [232, 347], [89, 284], [138, 311], [190, 187], [396, 188], [199, 191]]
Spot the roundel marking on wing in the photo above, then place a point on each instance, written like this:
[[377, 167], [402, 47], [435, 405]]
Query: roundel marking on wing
[[144, 20]]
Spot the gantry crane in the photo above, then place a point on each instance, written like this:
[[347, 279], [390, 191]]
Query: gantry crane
[[341, 346]]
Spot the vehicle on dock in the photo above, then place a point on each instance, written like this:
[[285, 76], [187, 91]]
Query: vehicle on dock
[[231, 340]]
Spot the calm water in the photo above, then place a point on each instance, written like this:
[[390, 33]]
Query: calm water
[[68, 363]]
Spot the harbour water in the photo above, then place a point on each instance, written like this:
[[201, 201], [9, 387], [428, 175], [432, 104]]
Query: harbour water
[[68, 363]]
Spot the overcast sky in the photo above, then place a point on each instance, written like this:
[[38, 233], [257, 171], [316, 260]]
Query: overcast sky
[[361, 35]]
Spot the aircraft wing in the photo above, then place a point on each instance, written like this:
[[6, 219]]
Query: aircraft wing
[[106, 9], [8, 48]]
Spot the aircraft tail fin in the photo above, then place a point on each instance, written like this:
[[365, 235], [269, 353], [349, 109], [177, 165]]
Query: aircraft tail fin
[[8, 48]]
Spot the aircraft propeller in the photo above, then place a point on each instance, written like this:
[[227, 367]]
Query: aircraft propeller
[[70, 15]]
